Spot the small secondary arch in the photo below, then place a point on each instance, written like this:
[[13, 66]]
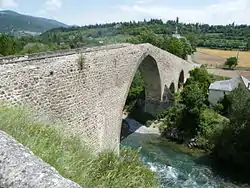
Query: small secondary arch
[[181, 79]]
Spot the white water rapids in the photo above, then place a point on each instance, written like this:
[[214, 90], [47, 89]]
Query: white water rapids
[[174, 169]]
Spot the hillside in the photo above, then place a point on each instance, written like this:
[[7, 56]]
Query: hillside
[[229, 37], [156, 32], [19, 24]]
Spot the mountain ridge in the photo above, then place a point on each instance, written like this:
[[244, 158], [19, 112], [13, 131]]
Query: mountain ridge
[[18, 24]]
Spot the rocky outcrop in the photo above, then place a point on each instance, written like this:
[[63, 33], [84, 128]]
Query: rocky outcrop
[[19, 168]]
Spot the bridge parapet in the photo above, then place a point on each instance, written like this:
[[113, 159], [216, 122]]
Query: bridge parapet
[[58, 53], [19, 168]]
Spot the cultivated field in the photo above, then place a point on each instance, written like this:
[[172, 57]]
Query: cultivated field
[[213, 57], [230, 73]]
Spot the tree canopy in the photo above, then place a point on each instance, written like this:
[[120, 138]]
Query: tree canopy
[[231, 62], [179, 47]]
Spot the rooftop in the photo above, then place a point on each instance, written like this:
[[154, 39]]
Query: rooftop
[[229, 85]]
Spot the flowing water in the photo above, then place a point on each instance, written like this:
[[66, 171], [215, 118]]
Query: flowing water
[[175, 169]]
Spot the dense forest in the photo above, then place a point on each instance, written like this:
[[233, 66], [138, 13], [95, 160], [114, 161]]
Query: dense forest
[[229, 37], [202, 35]]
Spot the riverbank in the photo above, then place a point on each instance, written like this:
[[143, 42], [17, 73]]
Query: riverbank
[[135, 127], [175, 164], [70, 157]]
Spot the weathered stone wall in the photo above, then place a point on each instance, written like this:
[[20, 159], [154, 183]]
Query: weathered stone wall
[[19, 168], [89, 102]]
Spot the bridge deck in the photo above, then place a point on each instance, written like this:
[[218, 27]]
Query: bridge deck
[[58, 53]]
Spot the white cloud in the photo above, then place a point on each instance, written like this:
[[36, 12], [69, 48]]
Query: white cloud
[[143, 1], [52, 5], [49, 8], [4, 4], [223, 12]]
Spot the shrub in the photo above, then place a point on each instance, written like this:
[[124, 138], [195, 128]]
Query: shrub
[[211, 124], [137, 89], [232, 145], [173, 117], [200, 76], [80, 62], [219, 108], [231, 62]]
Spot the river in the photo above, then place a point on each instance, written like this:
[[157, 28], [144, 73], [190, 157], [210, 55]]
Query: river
[[174, 168]]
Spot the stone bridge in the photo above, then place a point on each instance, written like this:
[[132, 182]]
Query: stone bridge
[[86, 89]]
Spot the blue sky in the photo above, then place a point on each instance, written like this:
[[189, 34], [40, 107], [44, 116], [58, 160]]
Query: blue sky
[[83, 12]]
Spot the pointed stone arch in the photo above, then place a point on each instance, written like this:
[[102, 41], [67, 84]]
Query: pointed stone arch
[[172, 88], [181, 79], [168, 94], [151, 75]]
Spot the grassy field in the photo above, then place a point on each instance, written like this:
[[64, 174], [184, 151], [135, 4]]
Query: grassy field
[[70, 157], [219, 56], [215, 60]]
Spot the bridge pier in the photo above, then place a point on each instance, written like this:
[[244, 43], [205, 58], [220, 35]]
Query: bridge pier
[[153, 107]]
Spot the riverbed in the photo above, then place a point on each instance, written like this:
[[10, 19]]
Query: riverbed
[[175, 169]]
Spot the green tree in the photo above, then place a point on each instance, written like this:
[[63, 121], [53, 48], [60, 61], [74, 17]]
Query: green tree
[[200, 76], [186, 112], [172, 117], [191, 37], [232, 145], [136, 91], [248, 44], [187, 48], [147, 36], [210, 126], [175, 46], [178, 47], [237, 100], [137, 87], [231, 62], [7, 45], [194, 99]]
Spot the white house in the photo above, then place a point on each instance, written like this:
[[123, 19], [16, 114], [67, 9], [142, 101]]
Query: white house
[[219, 89]]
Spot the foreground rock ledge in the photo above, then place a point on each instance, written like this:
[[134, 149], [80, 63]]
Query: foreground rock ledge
[[19, 168]]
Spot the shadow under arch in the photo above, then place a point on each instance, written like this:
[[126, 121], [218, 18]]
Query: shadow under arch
[[152, 80], [168, 93], [181, 80], [148, 68]]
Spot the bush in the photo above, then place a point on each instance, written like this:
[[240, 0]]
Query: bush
[[200, 76], [136, 92], [231, 62], [235, 101], [179, 47], [8, 45], [172, 117], [211, 125], [80, 62], [219, 108], [188, 105], [72, 159], [35, 48], [232, 145]]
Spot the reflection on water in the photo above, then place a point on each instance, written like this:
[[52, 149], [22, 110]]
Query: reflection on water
[[174, 169]]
